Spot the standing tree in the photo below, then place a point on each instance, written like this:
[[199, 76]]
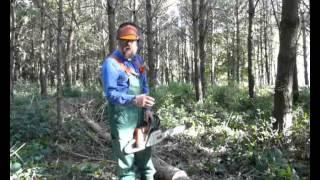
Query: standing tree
[[304, 46], [111, 25], [59, 62], [286, 61], [151, 61], [195, 27], [70, 41], [250, 74], [12, 44], [42, 69]]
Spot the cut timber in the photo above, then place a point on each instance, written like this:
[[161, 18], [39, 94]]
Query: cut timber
[[167, 172], [164, 170], [96, 127]]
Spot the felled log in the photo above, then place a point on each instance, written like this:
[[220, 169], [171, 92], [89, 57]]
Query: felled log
[[167, 172], [164, 170]]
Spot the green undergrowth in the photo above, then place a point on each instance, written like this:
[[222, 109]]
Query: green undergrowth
[[235, 131], [34, 135], [229, 119]]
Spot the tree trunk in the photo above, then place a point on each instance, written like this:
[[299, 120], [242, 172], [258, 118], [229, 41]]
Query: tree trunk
[[186, 59], [202, 41], [167, 80], [134, 12], [111, 25], [250, 74], [166, 171], [295, 85], [157, 53], [43, 73], [12, 46], [261, 58], [197, 76], [304, 46], [286, 61], [237, 63], [67, 67], [151, 60], [50, 70], [265, 4], [59, 62]]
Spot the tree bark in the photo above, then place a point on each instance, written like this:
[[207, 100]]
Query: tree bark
[[304, 46], [12, 46], [286, 60], [111, 25], [265, 4], [43, 73], [202, 40], [166, 171], [151, 60], [195, 27], [295, 84], [237, 63], [67, 67], [59, 62], [250, 74]]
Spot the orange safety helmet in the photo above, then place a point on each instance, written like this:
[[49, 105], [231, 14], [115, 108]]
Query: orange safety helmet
[[128, 32]]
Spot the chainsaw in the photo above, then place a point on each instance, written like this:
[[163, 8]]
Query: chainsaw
[[150, 134]]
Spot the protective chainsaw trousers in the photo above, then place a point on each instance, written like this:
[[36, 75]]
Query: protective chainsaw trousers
[[123, 120]]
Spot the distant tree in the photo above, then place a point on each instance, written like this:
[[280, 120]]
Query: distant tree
[[250, 74], [59, 63], [111, 25], [12, 45]]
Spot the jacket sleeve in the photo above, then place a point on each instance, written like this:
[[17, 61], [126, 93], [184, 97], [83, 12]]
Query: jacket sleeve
[[110, 74]]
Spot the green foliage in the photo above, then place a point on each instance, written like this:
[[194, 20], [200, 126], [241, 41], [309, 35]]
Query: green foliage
[[29, 119], [229, 118], [271, 163], [238, 129], [80, 91], [175, 93]]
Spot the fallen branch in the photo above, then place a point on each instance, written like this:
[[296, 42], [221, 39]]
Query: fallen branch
[[81, 155], [95, 126]]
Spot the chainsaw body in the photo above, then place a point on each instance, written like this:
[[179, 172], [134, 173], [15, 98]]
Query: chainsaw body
[[150, 134]]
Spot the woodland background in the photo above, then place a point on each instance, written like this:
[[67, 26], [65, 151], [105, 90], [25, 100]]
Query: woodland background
[[237, 70]]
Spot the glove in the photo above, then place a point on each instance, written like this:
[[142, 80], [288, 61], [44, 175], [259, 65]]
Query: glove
[[143, 101]]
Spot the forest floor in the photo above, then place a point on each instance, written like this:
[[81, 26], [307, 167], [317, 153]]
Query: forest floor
[[221, 144]]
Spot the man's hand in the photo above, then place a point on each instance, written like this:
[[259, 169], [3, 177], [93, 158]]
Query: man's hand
[[143, 101]]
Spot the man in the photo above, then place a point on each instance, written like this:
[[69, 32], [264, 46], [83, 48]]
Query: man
[[126, 88]]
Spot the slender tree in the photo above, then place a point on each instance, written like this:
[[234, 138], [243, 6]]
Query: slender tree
[[304, 46], [250, 74], [12, 44], [111, 25], [70, 42], [59, 62], [286, 60], [42, 75], [151, 60], [195, 27]]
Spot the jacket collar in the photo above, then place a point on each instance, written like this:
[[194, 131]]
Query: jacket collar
[[120, 56]]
